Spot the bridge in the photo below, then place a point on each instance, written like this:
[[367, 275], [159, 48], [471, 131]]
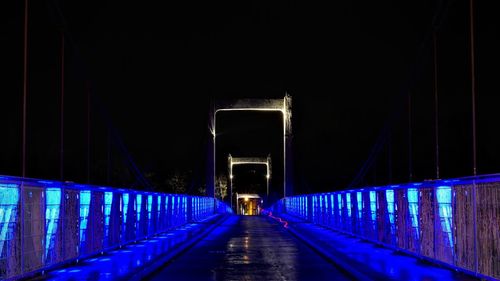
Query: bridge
[[148, 226], [431, 230]]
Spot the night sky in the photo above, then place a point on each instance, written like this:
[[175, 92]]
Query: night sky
[[152, 67]]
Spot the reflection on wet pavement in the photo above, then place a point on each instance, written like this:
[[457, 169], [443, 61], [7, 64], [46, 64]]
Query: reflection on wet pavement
[[249, 248]]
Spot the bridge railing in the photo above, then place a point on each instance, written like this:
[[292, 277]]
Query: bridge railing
[[454, 222], [46, 223]]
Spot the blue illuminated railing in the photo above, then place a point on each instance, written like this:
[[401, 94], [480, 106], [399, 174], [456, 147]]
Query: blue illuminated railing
[[44, 224], [454, 222]]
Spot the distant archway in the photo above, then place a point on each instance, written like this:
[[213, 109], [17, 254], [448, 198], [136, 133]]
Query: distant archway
[[283, 105], [232, 161]]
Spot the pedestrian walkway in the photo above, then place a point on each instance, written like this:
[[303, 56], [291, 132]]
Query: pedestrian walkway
[[250, 248]]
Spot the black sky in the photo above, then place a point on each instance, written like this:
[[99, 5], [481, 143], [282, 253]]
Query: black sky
[[154, 66]]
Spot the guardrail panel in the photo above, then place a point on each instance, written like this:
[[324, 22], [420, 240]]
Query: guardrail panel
[[402, 216], [113, 222], [488, 228], [10, 230], [426, 217], [34, 226], [71, 223], [463, 216], [444, 244], [53, 251]]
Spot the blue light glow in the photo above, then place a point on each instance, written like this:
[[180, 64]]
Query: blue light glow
[[389, 195], [84, 213], [301, 206], [321, 204], [332, 202], [184, 199], [196, 210], [198, 204], [359, 198], [444, 199], [150, 206], [108, 199], [325, 211], [348, 200], [138, 206], [125, 207], [341, 204], [373, 205], [9, 199], [46, 182], [305, 206], [52, 207], [413, 208], [158, 206]]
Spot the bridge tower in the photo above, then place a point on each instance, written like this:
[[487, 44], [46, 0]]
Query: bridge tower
[[283, 105]]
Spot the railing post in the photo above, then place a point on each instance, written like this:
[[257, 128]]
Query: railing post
[[408, 227], [62, 216], [22, 226], [474, 218], [436, 220]]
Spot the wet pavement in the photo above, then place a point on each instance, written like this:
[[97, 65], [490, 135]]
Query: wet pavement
[[249, 248]]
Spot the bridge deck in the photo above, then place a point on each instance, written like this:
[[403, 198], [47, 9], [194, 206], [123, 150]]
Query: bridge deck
[[250, 248]]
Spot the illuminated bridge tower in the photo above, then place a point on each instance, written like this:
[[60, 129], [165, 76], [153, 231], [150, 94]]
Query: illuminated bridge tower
[[232, 161], [283, 105]]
